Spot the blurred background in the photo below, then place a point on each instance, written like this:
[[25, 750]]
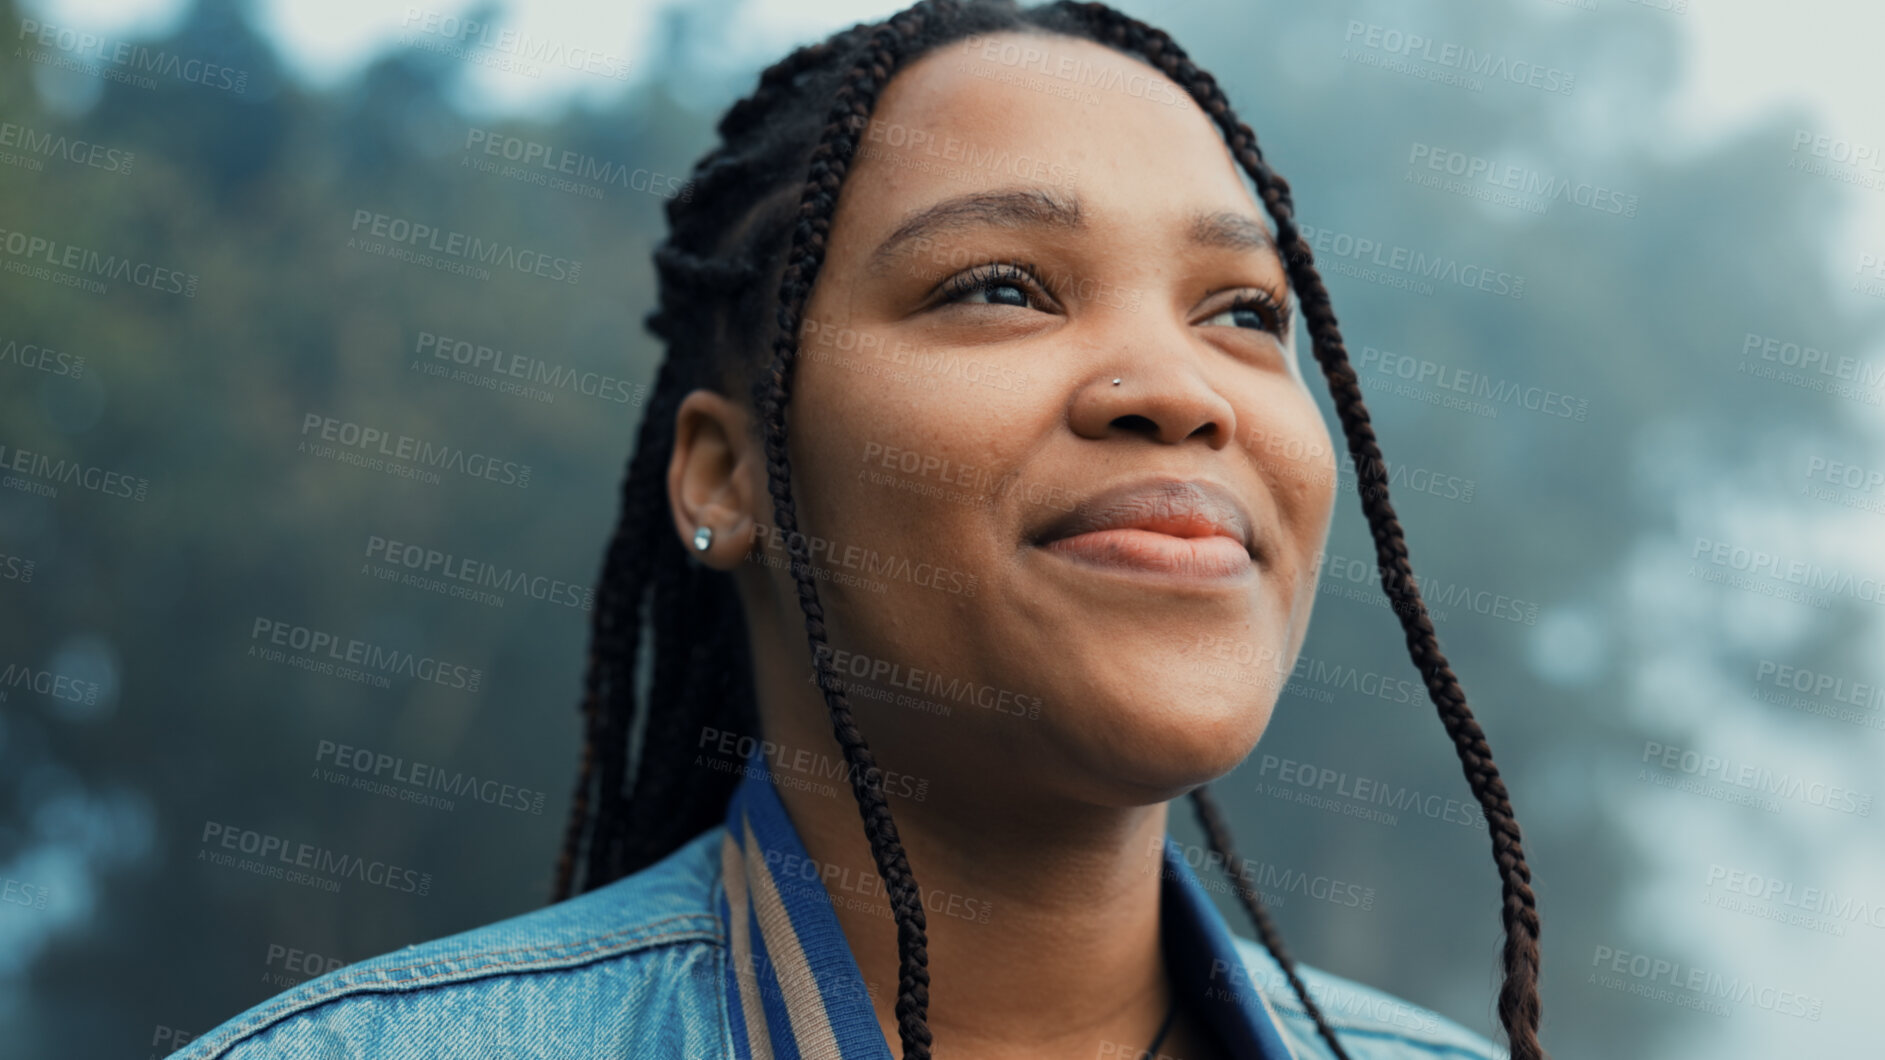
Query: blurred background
[[1632, 403]]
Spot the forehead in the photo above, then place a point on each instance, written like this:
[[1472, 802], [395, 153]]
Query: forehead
[[1059, 113]]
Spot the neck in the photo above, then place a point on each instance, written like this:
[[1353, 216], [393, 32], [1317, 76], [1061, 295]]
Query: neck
[[1042, 920], [1041, 907]]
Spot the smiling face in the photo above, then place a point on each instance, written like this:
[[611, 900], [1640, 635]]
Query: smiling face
[[1122, 572]]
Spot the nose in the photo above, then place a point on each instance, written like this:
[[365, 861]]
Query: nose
[[1164, 399]]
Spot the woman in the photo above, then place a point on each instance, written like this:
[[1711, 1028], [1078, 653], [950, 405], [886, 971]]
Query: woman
[[1035, 342]]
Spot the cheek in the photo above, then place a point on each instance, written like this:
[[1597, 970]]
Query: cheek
[[1297, 457], [899, 459]]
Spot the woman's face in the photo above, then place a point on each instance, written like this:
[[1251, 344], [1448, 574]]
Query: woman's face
[[1105, 585]]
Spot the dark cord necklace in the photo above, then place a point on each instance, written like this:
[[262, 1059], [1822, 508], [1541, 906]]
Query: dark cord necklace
[[1151, 1051]]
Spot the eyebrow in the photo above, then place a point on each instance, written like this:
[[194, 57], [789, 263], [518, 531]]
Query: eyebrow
[[1028, 208], [1040, 208], [1232, 231]]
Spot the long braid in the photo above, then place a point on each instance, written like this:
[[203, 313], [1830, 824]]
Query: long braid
[[850, 112], [1519, 1004], [643, 510], [726, 234], [615, 634], [688, 280], [1218, 834]]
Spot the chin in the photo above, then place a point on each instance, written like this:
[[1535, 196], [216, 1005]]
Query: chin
[[1161, 743]]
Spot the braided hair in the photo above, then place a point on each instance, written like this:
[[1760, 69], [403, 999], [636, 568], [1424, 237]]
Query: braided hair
[[742, 232]]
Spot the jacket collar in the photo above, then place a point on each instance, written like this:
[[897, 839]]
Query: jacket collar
[[794, 990]]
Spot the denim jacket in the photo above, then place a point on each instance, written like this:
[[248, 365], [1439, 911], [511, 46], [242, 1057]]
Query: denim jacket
[[729, 948]]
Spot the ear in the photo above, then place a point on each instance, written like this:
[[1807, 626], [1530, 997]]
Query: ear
[[712, 479]]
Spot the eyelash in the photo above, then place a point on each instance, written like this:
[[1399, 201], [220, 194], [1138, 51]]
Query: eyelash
[[989, 276], [986, 277], [1275, 317]]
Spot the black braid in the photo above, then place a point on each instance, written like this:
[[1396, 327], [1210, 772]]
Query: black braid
[[615, 637], [1217, 833], [850, 113], [737, 227], [1519, 1004]]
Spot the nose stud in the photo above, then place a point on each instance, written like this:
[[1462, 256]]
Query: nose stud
[[703, 537], [1115, 382]]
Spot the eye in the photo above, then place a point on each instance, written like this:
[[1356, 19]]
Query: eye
[[1004, 284], [1000, 293], [1256, 310]]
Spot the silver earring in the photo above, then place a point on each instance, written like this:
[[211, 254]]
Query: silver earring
[[703, 537], [1115, 382]]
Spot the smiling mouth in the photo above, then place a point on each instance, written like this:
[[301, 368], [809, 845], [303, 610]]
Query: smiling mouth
[[1214, 556], [1190, 529]]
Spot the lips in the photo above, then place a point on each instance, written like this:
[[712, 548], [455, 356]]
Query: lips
[[1173, 526]]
